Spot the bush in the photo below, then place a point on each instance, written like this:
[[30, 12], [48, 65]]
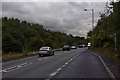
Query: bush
[[10, 44]]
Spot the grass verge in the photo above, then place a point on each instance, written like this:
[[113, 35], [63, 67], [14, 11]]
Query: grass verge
[[11, 56], [110, 52]]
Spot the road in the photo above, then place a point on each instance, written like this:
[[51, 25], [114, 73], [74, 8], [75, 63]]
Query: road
[[78, 63]]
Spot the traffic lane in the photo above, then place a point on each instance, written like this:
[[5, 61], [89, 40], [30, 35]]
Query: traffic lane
[[85, 65], [16, 62], [43, 68], [66, 52]]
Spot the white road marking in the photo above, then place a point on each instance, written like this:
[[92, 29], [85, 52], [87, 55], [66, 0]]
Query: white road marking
[[47, 79], [3, 71], [27, 58], [53, 74], [66, 63], [58, 70], [15, 67], [39, 59], [63, 66], [106, 67], [46, 58]]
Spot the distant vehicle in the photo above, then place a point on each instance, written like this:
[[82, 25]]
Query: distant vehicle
[[81, 46], [66, 47], [73, 47], [45, 51], [89, 44]]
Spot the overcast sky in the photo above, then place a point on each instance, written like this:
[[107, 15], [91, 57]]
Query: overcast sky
[[68, 17]]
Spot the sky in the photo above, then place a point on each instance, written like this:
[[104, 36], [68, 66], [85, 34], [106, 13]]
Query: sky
[[65, 16]]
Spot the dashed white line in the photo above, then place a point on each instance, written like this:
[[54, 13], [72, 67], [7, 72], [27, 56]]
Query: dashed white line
[[45, 57], [54, 73], [15, 67], [3, 71], [39, 59], [66, 63], [63, 66], [59, 69]]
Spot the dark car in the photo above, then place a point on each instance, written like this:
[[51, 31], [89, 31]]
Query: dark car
[[45, 51], [73, 47], [66, 47]]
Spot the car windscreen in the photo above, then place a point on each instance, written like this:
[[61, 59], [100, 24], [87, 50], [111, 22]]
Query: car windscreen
[[44, 48], [66, 46], [73, 46]]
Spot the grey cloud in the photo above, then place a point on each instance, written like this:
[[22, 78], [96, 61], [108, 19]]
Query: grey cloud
[[68, 17]]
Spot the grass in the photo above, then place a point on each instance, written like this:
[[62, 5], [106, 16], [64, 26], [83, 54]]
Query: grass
[[110, 52], [10, 56], [58, 49]]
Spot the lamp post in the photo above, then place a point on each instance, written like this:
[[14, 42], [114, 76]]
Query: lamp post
[[115, 33], [92, 24]]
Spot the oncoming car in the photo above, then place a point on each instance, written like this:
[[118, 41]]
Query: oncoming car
[[45, 51], [66, 47], [73, 47]]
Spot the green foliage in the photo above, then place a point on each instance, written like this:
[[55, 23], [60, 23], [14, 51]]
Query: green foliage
[[20, 36], [103, 33], [10, 44], [35, 44]]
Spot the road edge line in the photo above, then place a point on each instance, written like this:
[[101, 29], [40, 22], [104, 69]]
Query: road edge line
[[106, 67]]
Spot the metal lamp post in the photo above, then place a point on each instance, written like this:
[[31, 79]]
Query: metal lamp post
[[92, 25]]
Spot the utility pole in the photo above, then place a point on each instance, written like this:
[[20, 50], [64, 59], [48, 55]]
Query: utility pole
[[115, 41], [92, 25]]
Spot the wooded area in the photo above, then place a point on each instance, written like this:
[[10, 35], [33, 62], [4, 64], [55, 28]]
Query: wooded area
[[104, 33], [107, 26], [19, 36]]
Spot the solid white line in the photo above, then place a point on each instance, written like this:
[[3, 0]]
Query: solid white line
[[106, 67]]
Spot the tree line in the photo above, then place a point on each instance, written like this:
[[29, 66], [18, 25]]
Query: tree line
[[19, 36], [107, 26]]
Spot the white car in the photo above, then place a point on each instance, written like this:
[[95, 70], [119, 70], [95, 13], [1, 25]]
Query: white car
[[73, 47], [89, 44], [45, 51]]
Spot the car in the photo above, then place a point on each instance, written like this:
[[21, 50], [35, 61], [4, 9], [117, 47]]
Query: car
[[66, 47], [89, 44], [73, 47], [81, 46], [45, 51]]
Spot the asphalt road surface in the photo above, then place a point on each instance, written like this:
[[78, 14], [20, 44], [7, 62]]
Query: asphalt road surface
[[77, 63]]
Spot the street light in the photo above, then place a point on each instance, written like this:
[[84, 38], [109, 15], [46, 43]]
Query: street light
[[92, 24]]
